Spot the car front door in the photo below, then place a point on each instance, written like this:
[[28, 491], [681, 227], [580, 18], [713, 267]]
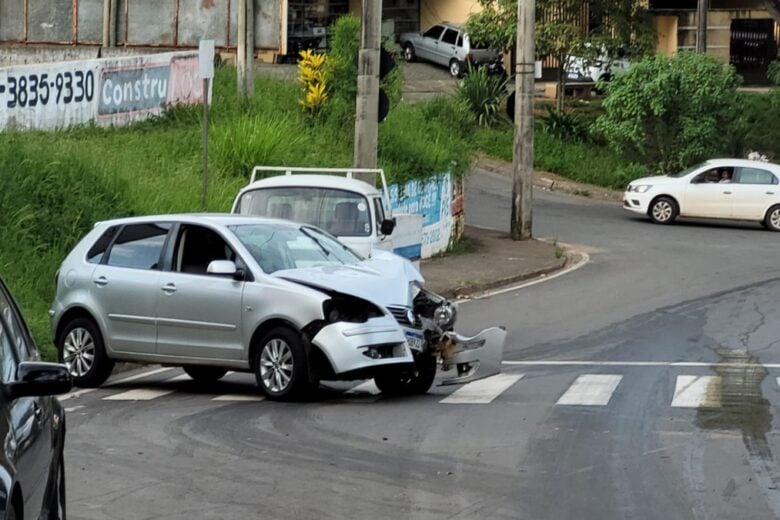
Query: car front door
[[429, 43], [30, 416], [125, 286], [707, 198], [754, 192], [199, 314]]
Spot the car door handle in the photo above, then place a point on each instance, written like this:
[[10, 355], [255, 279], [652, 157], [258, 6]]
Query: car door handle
[[169, 288], [101, 281], [727, 193], [769, 192]]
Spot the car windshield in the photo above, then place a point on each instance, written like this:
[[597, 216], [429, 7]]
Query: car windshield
[[277, 247], [686, 172], [339, 212]]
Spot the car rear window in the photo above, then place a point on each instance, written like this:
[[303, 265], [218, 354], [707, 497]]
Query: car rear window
[[139, 246], [451, 36]]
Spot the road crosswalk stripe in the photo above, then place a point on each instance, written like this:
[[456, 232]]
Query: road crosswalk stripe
[[590, 390], [482, 391], [138, 394], [697, 392], [239, 397], [368, 387]]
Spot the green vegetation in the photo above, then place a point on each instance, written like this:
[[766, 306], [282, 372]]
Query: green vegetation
[[55, 185], [482, 93]]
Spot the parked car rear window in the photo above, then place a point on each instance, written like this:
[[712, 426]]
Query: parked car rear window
[[451, 36], [756, 176], [139, 246], [434, 32], [339, 212], [96, 252]]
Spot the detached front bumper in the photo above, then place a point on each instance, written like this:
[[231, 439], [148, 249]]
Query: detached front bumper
[[636, 202], [465, 359], [352, 347]]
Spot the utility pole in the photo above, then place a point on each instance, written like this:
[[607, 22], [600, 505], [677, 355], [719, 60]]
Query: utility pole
[[367, 104], [249, 48], [523, 153], [701, 27], [241, 48]]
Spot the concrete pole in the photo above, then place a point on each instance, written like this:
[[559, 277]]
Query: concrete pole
[[701, 27], [523, 153], [112, 23], [250, 48], [241, 49], [106, 23], [367, 104]]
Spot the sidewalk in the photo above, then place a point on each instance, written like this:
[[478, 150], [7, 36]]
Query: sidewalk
[[495, 261]]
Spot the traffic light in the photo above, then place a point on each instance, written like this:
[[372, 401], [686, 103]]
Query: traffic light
[[386, 65]]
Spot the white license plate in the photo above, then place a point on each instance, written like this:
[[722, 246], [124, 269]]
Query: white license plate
[[415, 341]]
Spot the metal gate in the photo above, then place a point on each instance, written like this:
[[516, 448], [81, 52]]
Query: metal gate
[[753, 47]]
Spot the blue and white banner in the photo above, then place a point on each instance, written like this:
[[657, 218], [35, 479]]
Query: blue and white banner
[[433, 200]]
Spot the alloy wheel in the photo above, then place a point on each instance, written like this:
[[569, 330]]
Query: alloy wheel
[[79, 351], [276, 365], [774, 219], [662, 211]]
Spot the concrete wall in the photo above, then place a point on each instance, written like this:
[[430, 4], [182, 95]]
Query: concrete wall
[[455, 11], [666, 28]]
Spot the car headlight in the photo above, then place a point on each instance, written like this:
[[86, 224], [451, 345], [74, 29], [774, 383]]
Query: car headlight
[[639, 188], [444, 316], [343, 308]]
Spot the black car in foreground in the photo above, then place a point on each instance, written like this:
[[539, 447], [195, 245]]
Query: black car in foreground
[[32, 423]]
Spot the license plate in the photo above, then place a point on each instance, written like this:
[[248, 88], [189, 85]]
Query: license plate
[[415, 341]]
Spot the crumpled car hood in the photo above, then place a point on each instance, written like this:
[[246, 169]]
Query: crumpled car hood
[[383, 279]]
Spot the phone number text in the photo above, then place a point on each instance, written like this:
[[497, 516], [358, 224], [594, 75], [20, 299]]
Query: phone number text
[[29, 90]]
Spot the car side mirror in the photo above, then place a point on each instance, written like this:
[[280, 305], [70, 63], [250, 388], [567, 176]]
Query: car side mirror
[[225, 268], [38, 378], [387, 226]]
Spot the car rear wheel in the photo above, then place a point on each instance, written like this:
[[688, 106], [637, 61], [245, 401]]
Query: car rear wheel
[[409, 54], [663, 210], [281, 366], [82, 350], [772, 219], [456, 68], [418, 381], [205, 374]]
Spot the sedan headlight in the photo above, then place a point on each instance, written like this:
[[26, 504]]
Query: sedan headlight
[[638, 188], [349, 309], [444, 316]]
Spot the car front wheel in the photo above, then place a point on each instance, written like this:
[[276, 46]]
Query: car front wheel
[[281, 366], [772, 219], [409, 54], [663, 210], [82, 350], [418, 381]]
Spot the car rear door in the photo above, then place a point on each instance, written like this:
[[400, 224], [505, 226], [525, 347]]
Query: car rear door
[[448, 46], [199, 314], [753, 193], [125, 286]]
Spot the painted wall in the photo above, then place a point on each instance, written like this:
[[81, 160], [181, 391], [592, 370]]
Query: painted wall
[[666, 28], [111, 91], [455, 11]]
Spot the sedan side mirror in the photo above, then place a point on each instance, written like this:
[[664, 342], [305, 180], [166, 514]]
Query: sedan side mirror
[[225, 268], [387, 227], [37, 379]]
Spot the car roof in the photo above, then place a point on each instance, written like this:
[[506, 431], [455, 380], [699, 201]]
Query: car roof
[[315, 181], [451, 25], [218, 219], [746, 163]]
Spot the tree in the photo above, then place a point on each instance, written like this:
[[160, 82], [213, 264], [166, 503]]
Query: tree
[[586, 28]]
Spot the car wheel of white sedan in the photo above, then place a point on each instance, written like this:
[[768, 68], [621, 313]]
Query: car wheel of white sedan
[[663, 210], [281, 367], [772, 219]]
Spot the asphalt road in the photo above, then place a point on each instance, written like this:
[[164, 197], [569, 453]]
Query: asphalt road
[[642, 385]]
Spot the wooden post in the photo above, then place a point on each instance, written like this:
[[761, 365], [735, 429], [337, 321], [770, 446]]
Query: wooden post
[[701, 26], [367, 103]]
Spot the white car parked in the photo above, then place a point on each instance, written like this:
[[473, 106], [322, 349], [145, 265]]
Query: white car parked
[[734, 189]]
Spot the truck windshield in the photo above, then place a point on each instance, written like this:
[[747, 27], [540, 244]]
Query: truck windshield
[[339, 212]]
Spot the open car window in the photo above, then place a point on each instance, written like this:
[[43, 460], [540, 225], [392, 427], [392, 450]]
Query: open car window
[[196, 247]]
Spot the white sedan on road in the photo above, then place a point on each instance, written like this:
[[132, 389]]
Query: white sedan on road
[[734, 189]]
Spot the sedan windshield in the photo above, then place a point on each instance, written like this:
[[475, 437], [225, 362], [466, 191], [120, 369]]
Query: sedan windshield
[[277, 247], [686, 172]]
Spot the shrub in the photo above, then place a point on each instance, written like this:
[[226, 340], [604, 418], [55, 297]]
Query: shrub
[[563, 125], [672, 112], [312, 75], [483, 93]]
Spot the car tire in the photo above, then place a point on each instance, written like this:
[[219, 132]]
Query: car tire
[[201, 374], [11, 513], [82, 350], [57, 504], [419, 381], [772, 219], [456, 68], [663, 210], [409, 54], [281, 365]]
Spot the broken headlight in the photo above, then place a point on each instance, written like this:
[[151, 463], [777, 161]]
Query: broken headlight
[[444, 316], [349, 309]]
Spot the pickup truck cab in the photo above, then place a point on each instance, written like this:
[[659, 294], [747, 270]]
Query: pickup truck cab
[[355, 212]]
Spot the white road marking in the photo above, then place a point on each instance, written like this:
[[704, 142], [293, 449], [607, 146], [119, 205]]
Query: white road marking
[[180, 377], [138, 394], [482, 391], [590, 390], [683, 364], [128, 379], [367, 387], [74, 408], [239, 397], [697, 392]]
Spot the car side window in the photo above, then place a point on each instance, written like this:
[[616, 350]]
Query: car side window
[[196, 247], [98, 249], [450, 37], [379, 210], [17, 330], [710, 176], [139, 246], [460, 41], [434, 32], [8, 357], [756, 176]]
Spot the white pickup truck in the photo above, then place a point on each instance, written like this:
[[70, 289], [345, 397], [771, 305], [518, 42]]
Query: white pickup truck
[[355, 212]]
